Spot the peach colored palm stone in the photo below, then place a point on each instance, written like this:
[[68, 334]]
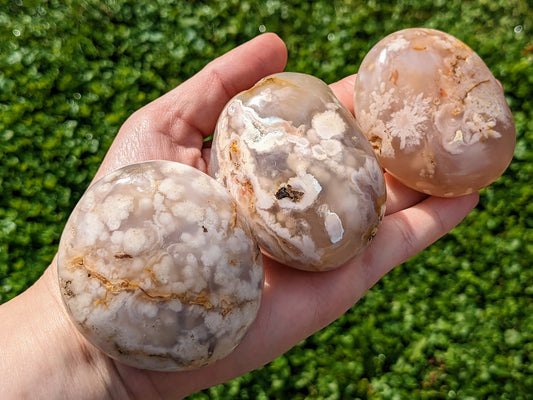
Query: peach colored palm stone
[[434, 113]]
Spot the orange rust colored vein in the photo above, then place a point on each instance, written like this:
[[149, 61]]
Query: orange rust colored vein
[[475, 86], [394, 77], [124, 285]]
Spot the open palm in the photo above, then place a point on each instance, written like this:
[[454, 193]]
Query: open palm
[[295, 304]]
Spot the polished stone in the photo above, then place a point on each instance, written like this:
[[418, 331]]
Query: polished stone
[[302, 173], [434, 113], [158, 269]]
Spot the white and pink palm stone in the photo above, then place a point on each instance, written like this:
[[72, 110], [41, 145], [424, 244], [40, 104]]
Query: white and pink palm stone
[[158, 269], [293, 158]]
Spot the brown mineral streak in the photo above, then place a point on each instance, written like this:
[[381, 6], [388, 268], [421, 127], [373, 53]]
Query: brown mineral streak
[[234, 147], [247, 188], [376, 142], [290, 193], [164, 356], [153, 278], [122, 255], [234, 222], [371, 233], [394, 76], [289, 246], [454, 65], [68, 290], [233, 154], [121, 285], [130, 352], [473, 87], [272, 80]]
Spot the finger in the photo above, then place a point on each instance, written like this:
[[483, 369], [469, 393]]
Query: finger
[[343, 89], [407, 232], [399, 196], [401, 236], [197, 103], [172, 127]]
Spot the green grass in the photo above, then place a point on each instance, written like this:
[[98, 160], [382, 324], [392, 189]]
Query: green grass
[[454, 322]]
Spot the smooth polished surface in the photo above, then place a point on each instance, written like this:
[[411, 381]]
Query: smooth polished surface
[[434, 113], [158, 270], [293, 158]]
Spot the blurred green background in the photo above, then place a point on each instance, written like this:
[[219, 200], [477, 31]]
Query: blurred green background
[[454, 322]]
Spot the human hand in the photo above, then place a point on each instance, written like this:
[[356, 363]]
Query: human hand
[[295, 303]]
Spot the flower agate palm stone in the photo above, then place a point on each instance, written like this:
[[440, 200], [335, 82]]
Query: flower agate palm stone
[[158, 269], [293, 158], [434, 113]]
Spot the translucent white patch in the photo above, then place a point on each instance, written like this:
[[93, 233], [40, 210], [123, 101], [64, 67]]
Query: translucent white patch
[[117, 237], [382, 56], [115, 209], [135, 241], [334, 227], [211, 255], [92, 228], [398, 44], [170, 190], [328, 124], [331, 147]]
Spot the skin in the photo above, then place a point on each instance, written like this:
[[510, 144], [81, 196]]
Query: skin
[[44, 356]]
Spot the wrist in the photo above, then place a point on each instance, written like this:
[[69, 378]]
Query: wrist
[[43, 355]]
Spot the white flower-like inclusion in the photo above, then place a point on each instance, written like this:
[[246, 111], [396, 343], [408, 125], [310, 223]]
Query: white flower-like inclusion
[[435, 115], [328, 124], [294, 159], [158, 270]]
